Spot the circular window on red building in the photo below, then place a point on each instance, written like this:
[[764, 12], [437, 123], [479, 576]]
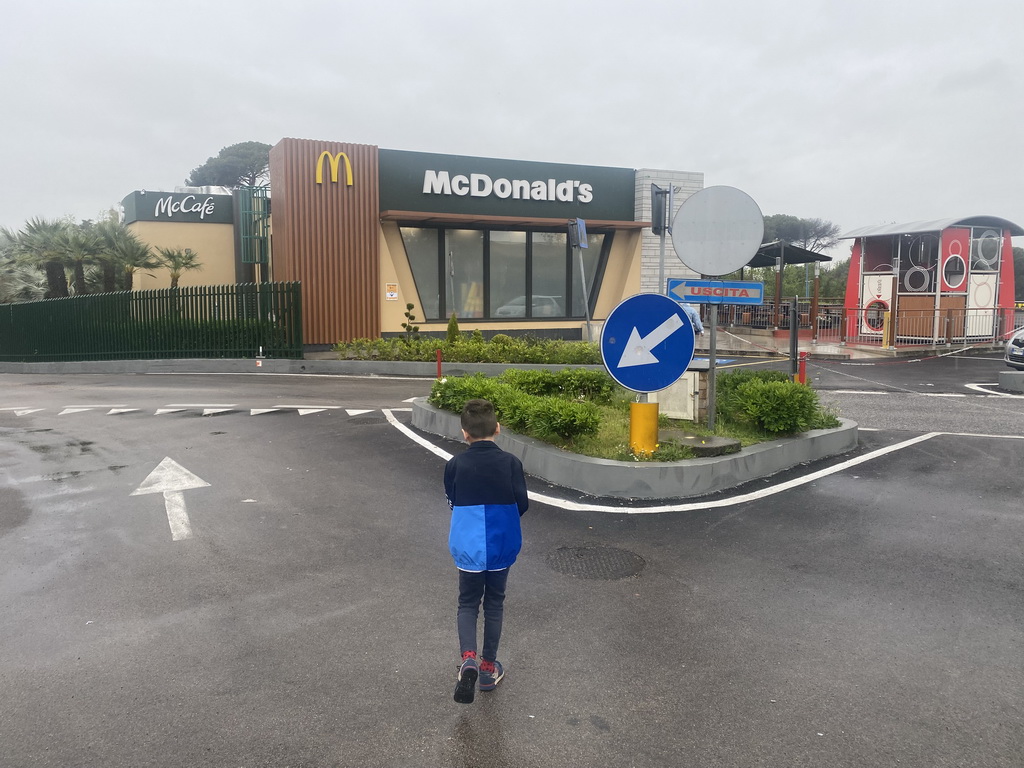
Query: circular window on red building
[[874, 314]]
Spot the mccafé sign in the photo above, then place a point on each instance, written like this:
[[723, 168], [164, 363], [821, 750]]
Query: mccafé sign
[[168, 206], [178, 207]]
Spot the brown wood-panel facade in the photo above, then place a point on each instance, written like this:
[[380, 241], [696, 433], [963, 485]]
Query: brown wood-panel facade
[[326, 213]]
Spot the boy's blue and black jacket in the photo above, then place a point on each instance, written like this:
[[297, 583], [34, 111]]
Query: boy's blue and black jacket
[[486, 489]]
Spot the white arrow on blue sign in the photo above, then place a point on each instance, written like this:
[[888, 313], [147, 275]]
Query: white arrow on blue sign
[[647, 342]]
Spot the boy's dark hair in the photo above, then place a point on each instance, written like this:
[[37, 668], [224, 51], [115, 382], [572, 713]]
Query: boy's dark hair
[[478, 419]]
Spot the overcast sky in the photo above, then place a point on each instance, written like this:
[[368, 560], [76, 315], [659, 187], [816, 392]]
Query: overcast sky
[[859, 112]]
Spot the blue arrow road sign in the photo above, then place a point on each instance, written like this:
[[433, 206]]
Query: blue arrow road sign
[[647, 342]]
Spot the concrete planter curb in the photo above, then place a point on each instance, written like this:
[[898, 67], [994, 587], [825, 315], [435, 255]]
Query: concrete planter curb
[[651, 480], [1012, 381]]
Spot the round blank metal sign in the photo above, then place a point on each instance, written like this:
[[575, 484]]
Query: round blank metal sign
[[717, 230]]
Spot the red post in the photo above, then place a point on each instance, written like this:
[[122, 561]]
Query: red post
[[438, 363], [801, 372]]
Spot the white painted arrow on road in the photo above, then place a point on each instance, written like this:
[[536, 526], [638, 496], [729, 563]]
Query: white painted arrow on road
[[638, 350], [170, 479]]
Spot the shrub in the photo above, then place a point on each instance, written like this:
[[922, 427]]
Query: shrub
[[727, 404], [452, 335], [778, 407]]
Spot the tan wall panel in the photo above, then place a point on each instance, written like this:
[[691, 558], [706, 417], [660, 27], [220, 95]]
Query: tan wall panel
[[395, 269], [327, 236], [622, 275], [214, 244]]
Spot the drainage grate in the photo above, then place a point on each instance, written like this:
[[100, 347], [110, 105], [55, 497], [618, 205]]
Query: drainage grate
[[596, 562]]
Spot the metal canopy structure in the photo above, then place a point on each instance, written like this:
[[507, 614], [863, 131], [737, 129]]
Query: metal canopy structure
[[768, 255], [938, 225]]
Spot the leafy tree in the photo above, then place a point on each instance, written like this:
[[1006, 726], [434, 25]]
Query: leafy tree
[[178, 260], [812, 234], [241, 164]]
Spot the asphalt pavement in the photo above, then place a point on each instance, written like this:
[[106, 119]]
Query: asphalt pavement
[[870, 616]]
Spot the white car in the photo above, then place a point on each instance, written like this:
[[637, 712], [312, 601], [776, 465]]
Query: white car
[[543, 306], [1015, 351]]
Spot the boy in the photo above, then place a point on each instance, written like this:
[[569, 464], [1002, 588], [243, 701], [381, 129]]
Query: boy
[[486, 490]]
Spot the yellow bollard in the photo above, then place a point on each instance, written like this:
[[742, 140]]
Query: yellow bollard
[[643, 427]]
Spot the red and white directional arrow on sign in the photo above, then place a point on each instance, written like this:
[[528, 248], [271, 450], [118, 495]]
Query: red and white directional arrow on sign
[[170, 479]]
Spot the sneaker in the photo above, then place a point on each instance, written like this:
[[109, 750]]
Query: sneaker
[[465, 688], [491, 674]]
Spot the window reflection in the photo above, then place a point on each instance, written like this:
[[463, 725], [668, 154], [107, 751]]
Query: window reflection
[[421, 247], [464, 272]]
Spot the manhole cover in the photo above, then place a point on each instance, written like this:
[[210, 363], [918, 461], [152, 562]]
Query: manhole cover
[[596, 562]]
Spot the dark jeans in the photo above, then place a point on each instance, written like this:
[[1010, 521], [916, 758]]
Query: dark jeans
[[489, 586]]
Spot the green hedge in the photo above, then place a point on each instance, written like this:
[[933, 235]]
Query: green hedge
[[471, 348], [540, 416]]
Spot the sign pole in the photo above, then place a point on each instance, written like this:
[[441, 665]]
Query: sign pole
[[712, 353]]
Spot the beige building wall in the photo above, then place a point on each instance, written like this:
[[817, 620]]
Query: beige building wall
[[686, 183], [213, 243]]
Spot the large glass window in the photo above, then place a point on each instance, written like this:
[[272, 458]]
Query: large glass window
[[548, 286], [507, 274], [421, 247], [464, 272], [500, 274]]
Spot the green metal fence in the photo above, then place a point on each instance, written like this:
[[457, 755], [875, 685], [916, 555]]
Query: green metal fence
[[244, 320]]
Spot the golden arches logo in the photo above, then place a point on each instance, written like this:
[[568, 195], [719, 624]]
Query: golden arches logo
[[335, 162]]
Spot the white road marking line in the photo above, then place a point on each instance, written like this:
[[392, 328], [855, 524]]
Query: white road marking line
[[201, 405], [942, 394], [307, 411], [258, 411], [160, 411], [82, 409], [688, 506], [113, 411], [312, 405], [410, 400], [212, 411], [989, 393], [15, 408], [358, 411], [27, 411]]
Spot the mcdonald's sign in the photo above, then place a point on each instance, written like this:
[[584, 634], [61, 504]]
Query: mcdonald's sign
[[334, 159]]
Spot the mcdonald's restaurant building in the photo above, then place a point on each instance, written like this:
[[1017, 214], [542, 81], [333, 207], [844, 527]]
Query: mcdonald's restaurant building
[[368, 231]]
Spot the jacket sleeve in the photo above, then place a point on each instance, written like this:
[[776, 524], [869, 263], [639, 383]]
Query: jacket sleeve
[[449, 483], [519, 487]]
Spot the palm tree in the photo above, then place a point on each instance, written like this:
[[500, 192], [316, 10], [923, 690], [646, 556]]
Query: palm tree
[[125, 249], [178, 260], [19, 281], [82, 247], [41, 244]]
